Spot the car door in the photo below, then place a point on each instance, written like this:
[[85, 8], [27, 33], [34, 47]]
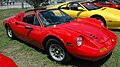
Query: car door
[[36, 32], [19, 27], [29, 29]]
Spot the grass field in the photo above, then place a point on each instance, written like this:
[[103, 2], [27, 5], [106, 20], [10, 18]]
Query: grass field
[[28, 56]]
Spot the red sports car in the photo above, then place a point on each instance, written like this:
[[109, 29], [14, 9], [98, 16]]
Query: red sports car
[[6, 62], [108, 3], [60, 35]]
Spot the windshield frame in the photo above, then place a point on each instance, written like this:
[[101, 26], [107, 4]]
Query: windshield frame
[[62, 13]]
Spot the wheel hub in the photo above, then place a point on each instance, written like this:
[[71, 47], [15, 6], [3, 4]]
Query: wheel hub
[[56, 52]]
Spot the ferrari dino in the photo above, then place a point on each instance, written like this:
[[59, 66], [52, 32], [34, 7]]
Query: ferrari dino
[[60, 35], [109, 16]]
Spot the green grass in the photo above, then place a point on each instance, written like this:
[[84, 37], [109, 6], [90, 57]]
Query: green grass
[[26, 56]]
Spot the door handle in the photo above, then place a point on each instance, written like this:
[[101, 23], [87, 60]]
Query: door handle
[[16, 23], [28, 27]]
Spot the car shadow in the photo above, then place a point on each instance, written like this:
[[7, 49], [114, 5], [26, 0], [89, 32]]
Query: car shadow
[[36, 48], [75, 62], [85, 63]]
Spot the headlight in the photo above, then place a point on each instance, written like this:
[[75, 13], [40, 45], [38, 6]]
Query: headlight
[[79, 41]]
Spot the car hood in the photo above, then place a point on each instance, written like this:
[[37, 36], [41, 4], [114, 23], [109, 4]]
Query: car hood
[[93, 32], [110, 11]]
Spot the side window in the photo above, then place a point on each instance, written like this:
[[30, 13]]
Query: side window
[[36, 22], [75, 6], [29, 17]]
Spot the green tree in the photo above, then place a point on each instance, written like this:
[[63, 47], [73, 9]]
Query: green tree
[[36, 3]]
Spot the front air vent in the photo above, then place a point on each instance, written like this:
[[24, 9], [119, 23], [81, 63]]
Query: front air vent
[[92, 36]]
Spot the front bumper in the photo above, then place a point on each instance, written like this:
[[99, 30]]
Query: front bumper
[[94, 53]]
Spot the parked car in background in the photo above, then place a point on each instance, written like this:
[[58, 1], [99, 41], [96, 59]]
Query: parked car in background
[[6, 62], [108, 3], [110, 17], [61, 35]]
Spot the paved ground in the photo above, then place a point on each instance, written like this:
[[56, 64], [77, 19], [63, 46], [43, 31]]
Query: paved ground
[[16, 5]]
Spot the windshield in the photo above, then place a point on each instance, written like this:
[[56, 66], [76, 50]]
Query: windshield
[[90, 6], [115, 1], [54, 17]]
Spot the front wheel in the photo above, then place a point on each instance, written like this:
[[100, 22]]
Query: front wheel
[[57, 52]]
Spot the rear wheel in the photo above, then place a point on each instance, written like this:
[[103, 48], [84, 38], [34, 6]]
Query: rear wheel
[[10, 32], [57, 52]]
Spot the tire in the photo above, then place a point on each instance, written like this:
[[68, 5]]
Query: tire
[[101, 19], [10, 33], [57, 52]]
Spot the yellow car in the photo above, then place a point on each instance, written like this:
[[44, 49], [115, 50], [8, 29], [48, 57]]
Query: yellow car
[[109, 16]]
